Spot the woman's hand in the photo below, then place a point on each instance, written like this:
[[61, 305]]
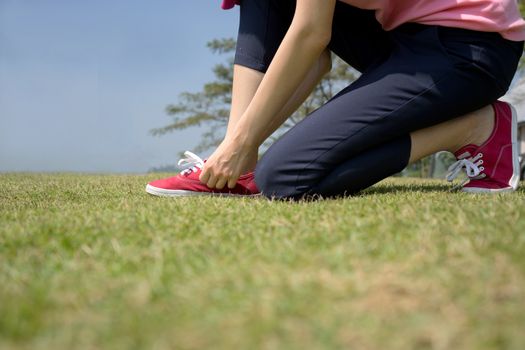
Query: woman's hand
[[229, 161]]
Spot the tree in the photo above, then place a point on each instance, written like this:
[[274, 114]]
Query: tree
[[209, 108]]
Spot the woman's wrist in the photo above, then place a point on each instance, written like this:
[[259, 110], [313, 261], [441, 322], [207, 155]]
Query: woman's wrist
[[243, 138]]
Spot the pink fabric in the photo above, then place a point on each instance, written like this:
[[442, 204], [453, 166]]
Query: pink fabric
[[501, 16], [228, 4]]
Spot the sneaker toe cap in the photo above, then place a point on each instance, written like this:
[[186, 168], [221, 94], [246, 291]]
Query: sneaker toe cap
[[168, 183]]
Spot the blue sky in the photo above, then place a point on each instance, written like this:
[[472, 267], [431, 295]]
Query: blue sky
[[83, 82]]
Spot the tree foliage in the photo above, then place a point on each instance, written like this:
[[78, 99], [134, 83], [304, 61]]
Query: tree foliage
[[210, 107]]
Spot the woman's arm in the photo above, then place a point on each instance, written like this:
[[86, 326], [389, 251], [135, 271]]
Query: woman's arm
[[307, 37]]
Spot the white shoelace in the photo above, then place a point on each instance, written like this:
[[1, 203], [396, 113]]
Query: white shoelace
[[472, 167], [191, 163]]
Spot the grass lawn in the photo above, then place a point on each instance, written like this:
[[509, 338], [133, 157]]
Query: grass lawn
[[93, 262]]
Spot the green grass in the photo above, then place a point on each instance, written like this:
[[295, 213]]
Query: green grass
[[93, 262]]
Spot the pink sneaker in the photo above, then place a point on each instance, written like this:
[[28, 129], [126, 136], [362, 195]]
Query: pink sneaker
[[493, 166], [187, 183]]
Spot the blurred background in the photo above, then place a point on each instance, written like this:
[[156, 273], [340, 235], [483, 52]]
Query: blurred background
[[83, 82]]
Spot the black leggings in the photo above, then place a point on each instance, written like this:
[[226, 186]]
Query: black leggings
[[413, 77]]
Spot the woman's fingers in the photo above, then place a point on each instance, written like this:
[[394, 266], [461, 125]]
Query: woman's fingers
[[232, 181], [205, 175], [226, 164], [221, 182], [212, 180], [215, 179]]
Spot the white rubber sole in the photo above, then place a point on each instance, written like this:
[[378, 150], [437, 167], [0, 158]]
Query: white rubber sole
[[486, 190], [162, 192], [515, 178]]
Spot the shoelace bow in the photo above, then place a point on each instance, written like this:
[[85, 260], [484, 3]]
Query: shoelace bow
[[192, 163], [472, 167]]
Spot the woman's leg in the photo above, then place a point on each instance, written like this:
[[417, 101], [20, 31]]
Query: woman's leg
[[429, 78], [483, 131], [473, 128], [390, 158]]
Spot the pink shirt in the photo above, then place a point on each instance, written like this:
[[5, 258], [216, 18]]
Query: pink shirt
[[501, 16]]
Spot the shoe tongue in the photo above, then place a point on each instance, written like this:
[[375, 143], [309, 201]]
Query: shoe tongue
[[466, 151]]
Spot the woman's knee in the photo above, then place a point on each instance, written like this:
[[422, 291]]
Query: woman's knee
[[275, 179]]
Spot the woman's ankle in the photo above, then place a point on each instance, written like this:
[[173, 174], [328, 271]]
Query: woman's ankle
[[477, 129]]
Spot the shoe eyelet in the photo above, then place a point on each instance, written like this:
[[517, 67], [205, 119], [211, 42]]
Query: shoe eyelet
[[480, 161], [481, 168]]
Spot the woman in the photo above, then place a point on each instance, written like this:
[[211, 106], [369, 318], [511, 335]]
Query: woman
[[432, 71]]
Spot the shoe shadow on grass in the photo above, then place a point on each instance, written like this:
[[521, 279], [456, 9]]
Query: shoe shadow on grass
[[390, 189], [386, 189], [444, 188]]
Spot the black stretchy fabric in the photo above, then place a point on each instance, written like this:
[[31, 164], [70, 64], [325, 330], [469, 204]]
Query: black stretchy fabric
[[413, 77]]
